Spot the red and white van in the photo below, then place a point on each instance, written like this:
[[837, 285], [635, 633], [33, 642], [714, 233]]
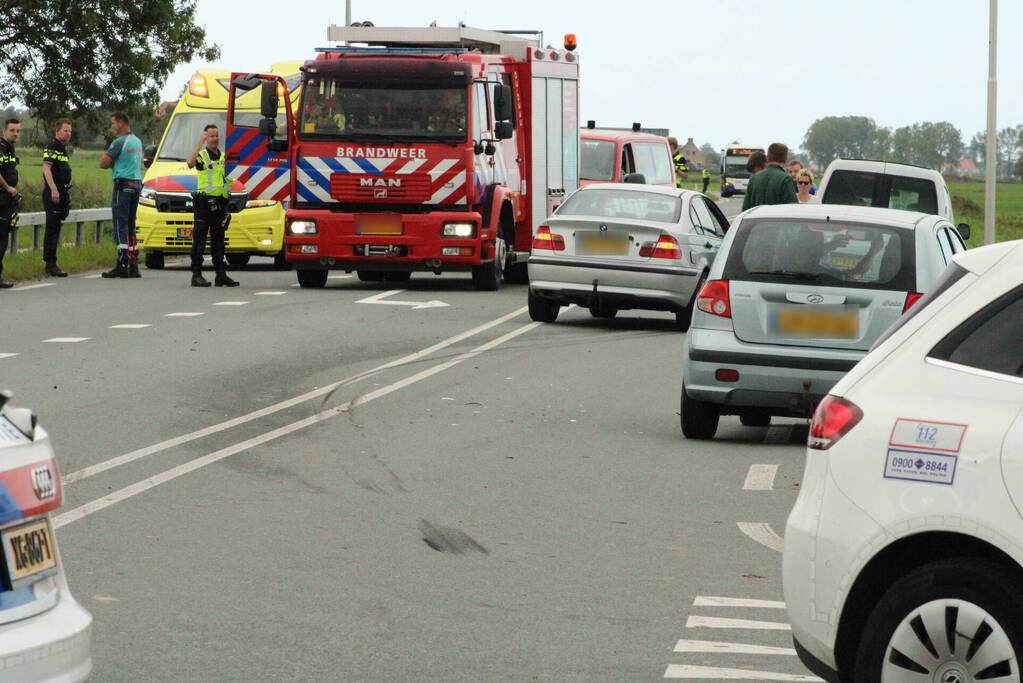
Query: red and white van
[[608, 156]]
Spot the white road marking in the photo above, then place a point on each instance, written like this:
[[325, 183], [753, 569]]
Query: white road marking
[[8, 355], [763, 534], [710, 646], [66, 340], [760, 478], [129, 326], [25, 288], [277, 407], [150, 482], [94, 276], [230, 303], [271, 293], [717, 673], [721, 622], [339, 277], [182, 315], [714, 601], [416, 305]]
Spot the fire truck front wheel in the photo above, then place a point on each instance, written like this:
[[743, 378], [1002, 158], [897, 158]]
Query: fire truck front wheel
[[487, 276], [312, 279]]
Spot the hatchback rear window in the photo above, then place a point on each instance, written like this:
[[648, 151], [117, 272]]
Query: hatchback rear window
[[622, 204], [835, 253]]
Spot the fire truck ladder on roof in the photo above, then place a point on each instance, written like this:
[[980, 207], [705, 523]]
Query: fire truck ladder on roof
[[436, 37]]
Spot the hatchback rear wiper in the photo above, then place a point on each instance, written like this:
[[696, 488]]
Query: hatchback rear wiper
[[810, 277]]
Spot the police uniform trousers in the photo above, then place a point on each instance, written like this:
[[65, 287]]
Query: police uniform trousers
[[7, 209], [55, 215], [210, 217]]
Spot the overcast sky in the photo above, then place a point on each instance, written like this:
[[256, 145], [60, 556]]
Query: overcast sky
[[714, 70]]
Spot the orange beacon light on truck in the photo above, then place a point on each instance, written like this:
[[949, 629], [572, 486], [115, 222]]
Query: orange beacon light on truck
[[570, 42]]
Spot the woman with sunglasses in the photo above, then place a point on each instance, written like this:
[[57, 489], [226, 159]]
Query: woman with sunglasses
[[804, 181]]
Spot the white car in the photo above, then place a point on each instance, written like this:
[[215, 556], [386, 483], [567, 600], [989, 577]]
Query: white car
[[44, 634], [904, 552]]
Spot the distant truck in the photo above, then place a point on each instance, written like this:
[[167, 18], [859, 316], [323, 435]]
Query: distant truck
[[734, 176], [427, 149], [164, 219], [610, 156]]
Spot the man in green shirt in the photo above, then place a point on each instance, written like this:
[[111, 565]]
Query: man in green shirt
[[124, 158], [773, 185]]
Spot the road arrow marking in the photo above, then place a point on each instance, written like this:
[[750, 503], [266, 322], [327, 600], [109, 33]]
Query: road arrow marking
[[416, 305]]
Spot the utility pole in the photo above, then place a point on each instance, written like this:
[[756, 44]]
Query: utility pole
[[991, 156], [348, 12]]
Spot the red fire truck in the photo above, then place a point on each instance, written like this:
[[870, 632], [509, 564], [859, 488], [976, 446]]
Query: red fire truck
[[425, 149]]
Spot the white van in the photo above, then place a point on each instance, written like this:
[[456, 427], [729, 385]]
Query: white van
[[859, 182]]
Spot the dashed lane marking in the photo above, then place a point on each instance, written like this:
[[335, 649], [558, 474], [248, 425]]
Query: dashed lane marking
[[25, 288], [8, 355], [722, 622], [340, 277], [65, 340], [714, 601], [230, 303], [762, 533], [718, 673], [94, 276], [182, 315], [760, 478], [130, 326], [271, 293], [711, 646]]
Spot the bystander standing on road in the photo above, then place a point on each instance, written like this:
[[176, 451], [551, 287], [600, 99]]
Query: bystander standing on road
[[681, 168], [794, 167], [772, 185], [756, 163], [210, 207], [124, 158], [705, 174], [56, 193], [804, 181], [9, 196]]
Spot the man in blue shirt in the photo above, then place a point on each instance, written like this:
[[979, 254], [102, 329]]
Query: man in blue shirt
[[124, 157]]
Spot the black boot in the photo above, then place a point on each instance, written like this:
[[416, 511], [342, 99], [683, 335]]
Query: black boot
[[4, 284], [222, 280], [120, 270], [199, 281], [53, 270]]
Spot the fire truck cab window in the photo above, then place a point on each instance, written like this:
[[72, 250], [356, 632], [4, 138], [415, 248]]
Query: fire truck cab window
[[364, 112]]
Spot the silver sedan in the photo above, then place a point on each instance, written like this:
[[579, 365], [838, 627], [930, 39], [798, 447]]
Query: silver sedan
[[619, 246]]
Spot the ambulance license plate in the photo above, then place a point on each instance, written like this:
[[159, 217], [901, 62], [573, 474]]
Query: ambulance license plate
[[185, 233], [28, 549]]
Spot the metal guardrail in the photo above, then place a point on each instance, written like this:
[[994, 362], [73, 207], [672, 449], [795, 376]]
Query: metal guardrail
[[78, 217]]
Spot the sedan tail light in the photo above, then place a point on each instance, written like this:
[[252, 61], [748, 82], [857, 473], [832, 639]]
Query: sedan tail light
[[713, 299], [911, 298], [666, 246], [832, 420], [545, 240]]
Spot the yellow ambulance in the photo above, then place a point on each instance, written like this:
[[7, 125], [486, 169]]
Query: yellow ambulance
[[164, 221]]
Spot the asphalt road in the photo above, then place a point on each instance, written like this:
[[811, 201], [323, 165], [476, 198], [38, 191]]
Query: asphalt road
[[289, 484]]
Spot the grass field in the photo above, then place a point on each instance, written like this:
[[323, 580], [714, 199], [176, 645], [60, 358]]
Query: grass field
[[92, 184], [968, 204]]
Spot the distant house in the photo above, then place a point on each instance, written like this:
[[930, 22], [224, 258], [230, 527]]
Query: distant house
[[963, 167], [694, 157]]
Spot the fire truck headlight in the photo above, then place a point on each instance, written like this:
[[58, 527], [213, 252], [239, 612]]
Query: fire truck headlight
[[302, 228], [459, 230]]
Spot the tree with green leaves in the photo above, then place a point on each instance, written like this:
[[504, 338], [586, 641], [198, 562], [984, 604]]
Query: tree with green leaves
[[85, 58], [846, 137]]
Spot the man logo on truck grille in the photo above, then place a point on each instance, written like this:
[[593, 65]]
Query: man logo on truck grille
[[42, 483], [379, 182]]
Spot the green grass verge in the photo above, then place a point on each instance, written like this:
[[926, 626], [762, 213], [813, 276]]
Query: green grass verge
[[28, 265], [968, 204], [92, 184]]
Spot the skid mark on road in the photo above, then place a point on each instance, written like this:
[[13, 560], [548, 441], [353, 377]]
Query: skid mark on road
[[771, 659]]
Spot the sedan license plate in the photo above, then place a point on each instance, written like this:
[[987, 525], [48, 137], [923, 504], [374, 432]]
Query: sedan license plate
[[811, 321], [28, 549], [185, 233], [603, 245], [378, 224]]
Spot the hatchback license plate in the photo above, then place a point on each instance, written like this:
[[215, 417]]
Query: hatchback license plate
[[29, 550], [603, 245], [185, 233], [815, 323]]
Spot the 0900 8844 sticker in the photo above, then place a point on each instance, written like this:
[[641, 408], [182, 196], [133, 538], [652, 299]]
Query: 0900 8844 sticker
[[923, 466]]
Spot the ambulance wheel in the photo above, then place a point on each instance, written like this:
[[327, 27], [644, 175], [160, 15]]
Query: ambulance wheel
[[281, 261], [154, 260], [397, 277], [542, 310], [699, 419], [312, 279], [237, 260], [370, 276]]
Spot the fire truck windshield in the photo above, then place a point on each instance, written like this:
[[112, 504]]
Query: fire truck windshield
[[331, 111]]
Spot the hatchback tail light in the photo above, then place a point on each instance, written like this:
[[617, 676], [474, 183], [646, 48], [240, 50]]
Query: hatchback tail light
[[545, 240], [832, 420], [911, 298], [713, 299], [666, 246]]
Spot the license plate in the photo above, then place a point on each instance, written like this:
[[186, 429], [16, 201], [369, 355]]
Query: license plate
[[378, 224], [603, 245], [806, 322], [29, 550], [185, 233]]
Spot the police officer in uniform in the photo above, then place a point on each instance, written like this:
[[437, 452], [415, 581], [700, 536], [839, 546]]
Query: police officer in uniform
[[56, 186], [209, 207], [9, 195], [681, 169], [705, 174]]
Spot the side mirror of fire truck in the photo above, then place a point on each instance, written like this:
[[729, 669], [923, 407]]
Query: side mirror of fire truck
[[503, 109], [503, 130], [268, 100]]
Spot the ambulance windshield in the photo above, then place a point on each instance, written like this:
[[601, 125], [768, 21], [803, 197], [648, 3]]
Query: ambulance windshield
[[367, 112]]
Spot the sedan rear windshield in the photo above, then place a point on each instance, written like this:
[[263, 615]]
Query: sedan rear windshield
[[624, 204], [839, 254]]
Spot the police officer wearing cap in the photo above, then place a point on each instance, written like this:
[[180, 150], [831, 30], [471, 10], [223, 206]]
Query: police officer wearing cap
[[56, 189], [209, 207], [9, 195]]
